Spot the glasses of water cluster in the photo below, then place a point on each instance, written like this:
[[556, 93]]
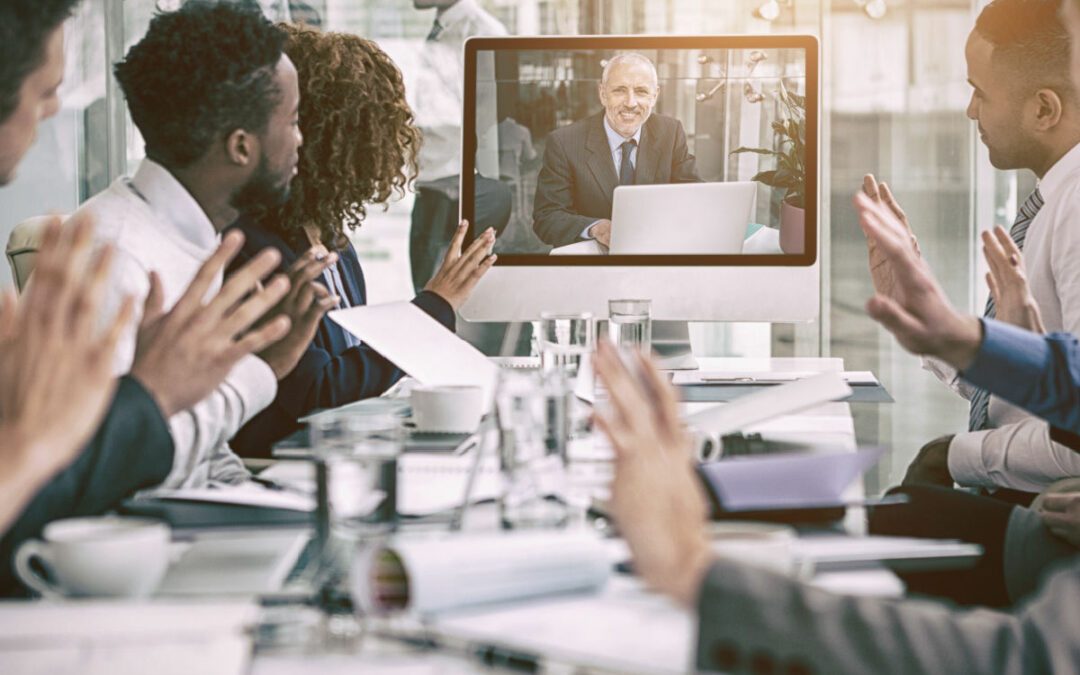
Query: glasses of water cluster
[[564, 340], [630, 324]]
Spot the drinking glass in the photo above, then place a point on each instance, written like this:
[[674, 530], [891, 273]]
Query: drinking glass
[[356, 457], [564, 340], [630, 324]]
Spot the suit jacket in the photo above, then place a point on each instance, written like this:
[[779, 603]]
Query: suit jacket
[[330, 373], [578, 178], [132, 450], [753, 620]]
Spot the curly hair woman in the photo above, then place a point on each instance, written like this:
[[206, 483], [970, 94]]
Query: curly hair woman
[[359, 149]]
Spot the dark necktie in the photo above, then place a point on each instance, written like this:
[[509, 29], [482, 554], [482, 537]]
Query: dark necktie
[[626, 167], [979, 414], [436, 29]]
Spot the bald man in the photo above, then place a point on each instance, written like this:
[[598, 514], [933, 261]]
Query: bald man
[[626, 144]]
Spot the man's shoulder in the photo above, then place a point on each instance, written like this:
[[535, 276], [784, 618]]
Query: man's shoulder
[[574, 132], [664, 124]]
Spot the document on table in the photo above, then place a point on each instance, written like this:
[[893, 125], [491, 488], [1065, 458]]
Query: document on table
[[118, 637], [244, 494], [766, 482], [785, 399], [420, 345]]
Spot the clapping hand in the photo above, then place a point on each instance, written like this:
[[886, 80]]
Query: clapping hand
[[657, 501], [881, 271], [1013, 300], [305, 305], [56, 378], [460, 272], [916, 310]]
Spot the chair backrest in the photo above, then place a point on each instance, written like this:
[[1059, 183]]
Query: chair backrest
[[22, 248]]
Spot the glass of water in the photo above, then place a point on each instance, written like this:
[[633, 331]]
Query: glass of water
[[564, 340], [356, 457], [630, 324]]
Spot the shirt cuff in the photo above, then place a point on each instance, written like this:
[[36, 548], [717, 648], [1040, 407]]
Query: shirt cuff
[[255, 384], [587, 232], [1007, 359], [965, 459]]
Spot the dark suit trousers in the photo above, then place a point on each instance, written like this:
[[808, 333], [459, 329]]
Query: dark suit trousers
[[435, 215], [132, 450]]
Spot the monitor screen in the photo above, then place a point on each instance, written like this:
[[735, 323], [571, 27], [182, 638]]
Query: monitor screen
[[643, 150]]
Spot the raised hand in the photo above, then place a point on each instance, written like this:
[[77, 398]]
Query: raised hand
[[880, 271], [460, 272], [916, 311], [184, 354], [305, 305], [55, 363], [657, 500], [1008, 282]]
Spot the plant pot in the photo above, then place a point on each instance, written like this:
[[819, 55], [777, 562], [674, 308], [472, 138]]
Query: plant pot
[[792, 229]]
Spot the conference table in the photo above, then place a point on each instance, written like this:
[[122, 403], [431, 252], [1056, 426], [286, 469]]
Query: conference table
[[622, 628]]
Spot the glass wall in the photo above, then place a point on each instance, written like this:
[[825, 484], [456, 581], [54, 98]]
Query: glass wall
[[893, 94]]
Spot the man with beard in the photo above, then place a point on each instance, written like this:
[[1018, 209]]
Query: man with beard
[[624, 145], [216, 100]]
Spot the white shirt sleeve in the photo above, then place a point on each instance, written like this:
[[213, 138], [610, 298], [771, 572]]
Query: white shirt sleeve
[[201, 433]]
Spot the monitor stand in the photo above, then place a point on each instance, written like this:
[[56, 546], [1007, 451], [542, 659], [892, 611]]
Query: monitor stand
[[671, 345]]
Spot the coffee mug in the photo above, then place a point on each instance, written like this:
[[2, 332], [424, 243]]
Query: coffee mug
[[100, 556], [447, 408]]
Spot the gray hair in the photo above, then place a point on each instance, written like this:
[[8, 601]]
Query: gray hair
[[629, 57]]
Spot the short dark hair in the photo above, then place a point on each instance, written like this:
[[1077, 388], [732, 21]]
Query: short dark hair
[[199, 74], [1029, 36], [24, 27]]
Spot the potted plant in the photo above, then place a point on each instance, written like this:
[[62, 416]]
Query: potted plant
[[790, 172]]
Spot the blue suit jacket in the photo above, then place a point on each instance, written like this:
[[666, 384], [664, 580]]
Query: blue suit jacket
[[330, 373]]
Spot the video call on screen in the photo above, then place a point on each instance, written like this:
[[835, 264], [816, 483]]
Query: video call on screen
[[706, 148]]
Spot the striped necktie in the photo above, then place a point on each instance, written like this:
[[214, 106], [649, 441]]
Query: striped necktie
[[436, 31], [979, 415]]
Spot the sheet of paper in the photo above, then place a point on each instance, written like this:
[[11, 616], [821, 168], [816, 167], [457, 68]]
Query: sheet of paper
[[735, 377], [625, 628], [787, 481], [116, 637], [420, 345], [245, 494], [785, 399]]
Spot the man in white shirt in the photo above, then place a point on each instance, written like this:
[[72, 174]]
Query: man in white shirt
[[439, 99], [216, 100], [1028, 115]]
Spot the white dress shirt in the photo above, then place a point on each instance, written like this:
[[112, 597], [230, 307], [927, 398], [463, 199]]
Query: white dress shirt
[[439, 89], [615, 141], [1016, 452], [155, 224]]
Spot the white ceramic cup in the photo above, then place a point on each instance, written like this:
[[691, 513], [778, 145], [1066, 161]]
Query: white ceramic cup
[[447, 408], [100, 556]]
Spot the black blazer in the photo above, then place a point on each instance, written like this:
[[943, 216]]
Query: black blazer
[[132, 450], [578, 179], [330, 373]]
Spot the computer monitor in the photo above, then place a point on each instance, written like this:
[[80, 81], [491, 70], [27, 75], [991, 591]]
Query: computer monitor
[[547, 140]]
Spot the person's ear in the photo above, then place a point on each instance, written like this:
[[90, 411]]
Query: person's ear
[[241, 147], [1048, 109], [602, 93]]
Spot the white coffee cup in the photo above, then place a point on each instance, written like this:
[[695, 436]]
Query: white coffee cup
[[447, 408], [100, 556]]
